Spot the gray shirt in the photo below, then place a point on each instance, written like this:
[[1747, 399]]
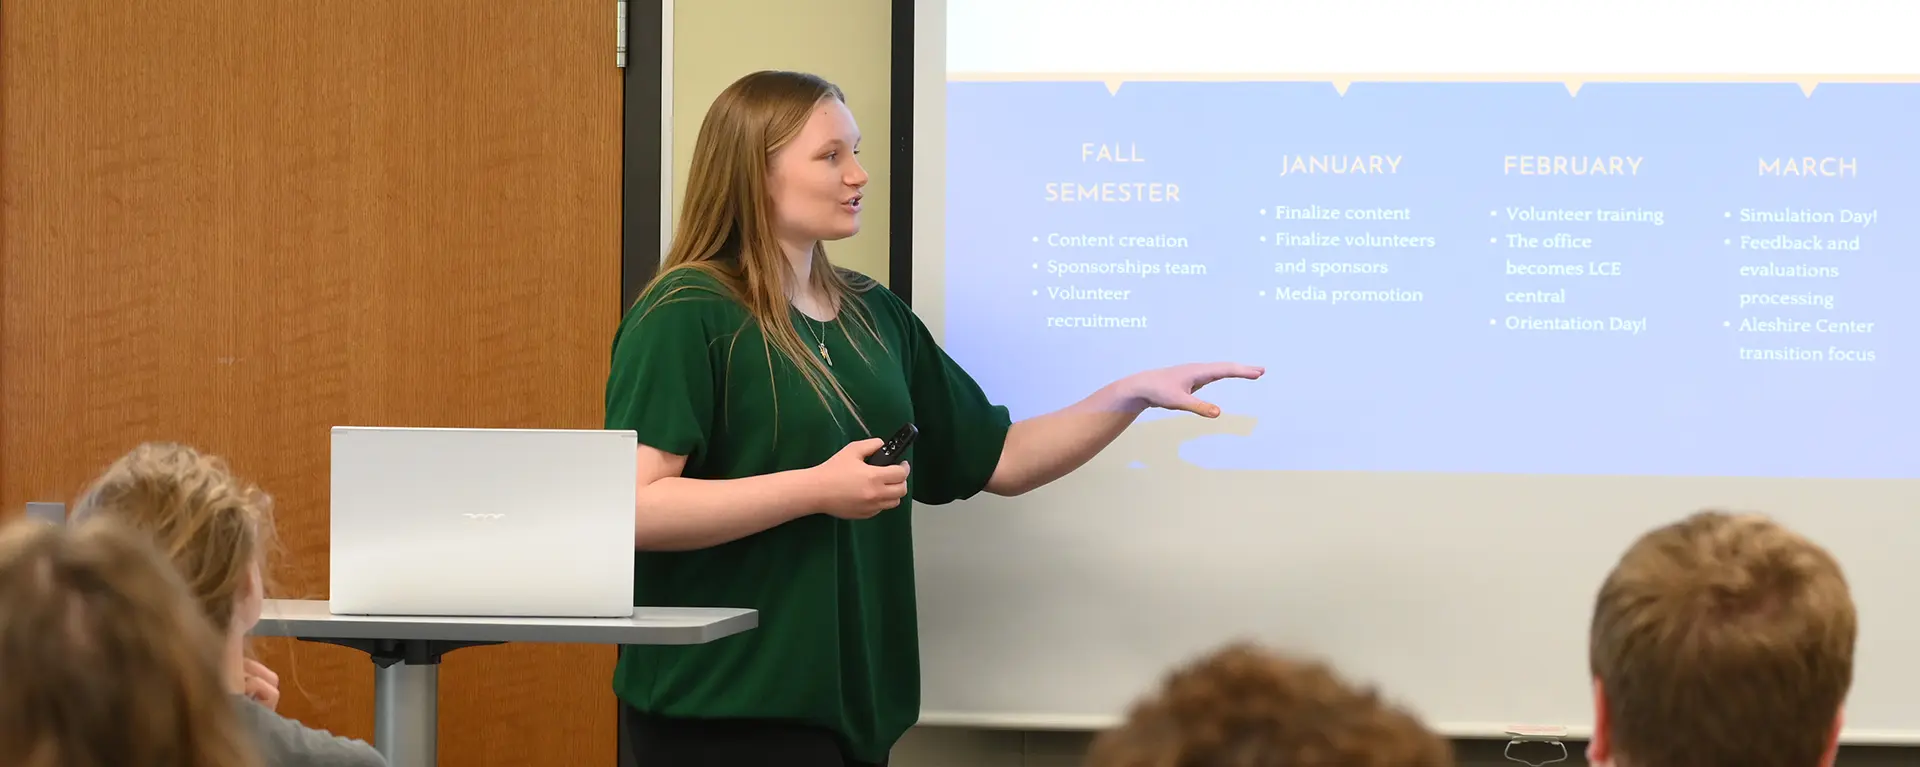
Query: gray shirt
[[288, 743]]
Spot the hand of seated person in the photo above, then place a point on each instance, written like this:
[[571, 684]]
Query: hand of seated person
[[262, 684]]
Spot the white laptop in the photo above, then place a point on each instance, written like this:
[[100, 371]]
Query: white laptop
[[531, 523]]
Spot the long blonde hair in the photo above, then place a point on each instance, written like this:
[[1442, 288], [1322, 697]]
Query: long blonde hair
[[106, 658], [215, 527], [726, 221]]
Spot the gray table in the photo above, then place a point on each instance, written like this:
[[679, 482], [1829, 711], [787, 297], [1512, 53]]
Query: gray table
[[406, 653]]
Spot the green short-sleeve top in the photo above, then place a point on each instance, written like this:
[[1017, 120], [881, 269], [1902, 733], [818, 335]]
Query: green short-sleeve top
[[838, 641]]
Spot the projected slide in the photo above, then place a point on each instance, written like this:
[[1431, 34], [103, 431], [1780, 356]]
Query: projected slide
[[1476, 237]]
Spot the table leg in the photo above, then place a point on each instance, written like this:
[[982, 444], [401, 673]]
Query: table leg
[[406, 713], [406, 695]]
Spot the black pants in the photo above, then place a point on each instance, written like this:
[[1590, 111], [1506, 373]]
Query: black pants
[[662, 742]]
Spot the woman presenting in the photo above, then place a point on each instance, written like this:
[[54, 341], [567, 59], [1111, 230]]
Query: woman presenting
[[759, 377]]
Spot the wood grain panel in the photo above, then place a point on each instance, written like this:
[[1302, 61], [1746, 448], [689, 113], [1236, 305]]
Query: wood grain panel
[[240, 224]]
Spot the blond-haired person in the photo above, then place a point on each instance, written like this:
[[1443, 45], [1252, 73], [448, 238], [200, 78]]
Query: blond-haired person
[[1243, 706], [760, 377], [1722, 640], [217, 530], [104, 658]]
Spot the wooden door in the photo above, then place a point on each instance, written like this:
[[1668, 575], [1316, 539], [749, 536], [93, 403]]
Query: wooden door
[[237, 224]]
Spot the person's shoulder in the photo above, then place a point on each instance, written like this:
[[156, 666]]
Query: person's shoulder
[[687, 282], [685, 294], [855, 278], [285, 741], [881, 301]]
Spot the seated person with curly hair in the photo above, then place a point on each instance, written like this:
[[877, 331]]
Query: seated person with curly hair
[[217, 529], [1245, 707]]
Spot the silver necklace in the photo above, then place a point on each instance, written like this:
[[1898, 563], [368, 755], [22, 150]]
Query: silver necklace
[[818, 343]]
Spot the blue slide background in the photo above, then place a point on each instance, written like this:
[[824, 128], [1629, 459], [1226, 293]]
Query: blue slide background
[[1432, 385]]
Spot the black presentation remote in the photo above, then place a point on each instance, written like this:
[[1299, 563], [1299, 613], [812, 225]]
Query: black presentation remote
[[895, 447]]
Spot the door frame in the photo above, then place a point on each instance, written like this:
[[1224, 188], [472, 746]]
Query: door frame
[[646, 146], [646, 178]]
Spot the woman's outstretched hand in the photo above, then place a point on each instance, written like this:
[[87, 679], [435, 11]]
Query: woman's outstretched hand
[[1173, 388]]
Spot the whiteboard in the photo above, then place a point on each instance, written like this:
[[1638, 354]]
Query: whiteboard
[[1467, 597]]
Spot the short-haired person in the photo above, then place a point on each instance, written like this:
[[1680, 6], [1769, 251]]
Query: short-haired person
[[1722, 640], [759, 377], [104, 658], [1242, 706]]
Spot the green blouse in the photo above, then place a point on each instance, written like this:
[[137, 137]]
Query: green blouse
[[838, 642]]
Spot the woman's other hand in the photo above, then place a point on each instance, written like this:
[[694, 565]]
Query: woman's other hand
[[1173, 388], [850, 488]]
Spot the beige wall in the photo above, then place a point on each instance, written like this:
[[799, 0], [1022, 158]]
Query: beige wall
[[847, 41]]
